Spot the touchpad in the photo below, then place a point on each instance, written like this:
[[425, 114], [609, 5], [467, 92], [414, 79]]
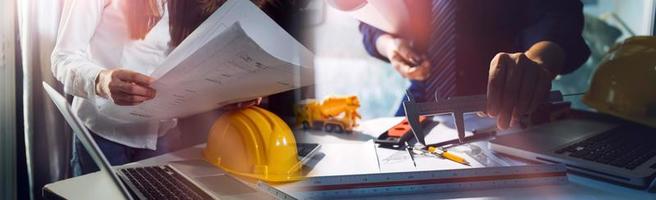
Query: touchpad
[[196, 168], [224, 185]]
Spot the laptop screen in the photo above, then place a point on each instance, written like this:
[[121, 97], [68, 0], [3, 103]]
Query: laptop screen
[[85, 137]]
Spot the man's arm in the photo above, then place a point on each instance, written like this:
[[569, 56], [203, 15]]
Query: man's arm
[[552, 45], [370, 35], [399, 52], [559, 22]]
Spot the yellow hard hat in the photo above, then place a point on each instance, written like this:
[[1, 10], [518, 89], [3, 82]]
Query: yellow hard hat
[[255, 143], [624, 84]]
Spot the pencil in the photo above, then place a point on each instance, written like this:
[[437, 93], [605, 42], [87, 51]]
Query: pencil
[[455, 158], [449, 156]]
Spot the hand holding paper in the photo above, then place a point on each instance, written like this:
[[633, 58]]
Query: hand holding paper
[[124, 87], [237, 54]]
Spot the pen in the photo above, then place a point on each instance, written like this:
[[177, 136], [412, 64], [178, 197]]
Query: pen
[[409, 149], [449, 156]]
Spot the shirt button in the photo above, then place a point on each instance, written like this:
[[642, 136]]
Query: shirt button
[[461, 73]]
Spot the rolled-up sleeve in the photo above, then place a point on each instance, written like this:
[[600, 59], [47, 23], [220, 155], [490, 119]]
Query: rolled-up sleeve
[[71, 62], [369, 36], [561, 22]]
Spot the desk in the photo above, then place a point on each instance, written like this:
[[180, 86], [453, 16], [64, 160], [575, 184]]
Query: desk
[[94, 186]]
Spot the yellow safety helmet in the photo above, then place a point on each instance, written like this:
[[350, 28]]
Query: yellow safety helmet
[[255, 143], [624, 84]]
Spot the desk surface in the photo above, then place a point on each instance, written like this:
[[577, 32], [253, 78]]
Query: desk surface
[[98, 187]]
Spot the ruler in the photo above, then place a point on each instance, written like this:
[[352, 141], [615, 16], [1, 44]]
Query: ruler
[[418, 182], [273, 191]]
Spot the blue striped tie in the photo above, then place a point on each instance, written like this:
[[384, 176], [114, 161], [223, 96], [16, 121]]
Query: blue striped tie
[[442, 51]]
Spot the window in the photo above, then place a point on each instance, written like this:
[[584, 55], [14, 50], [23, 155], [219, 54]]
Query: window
[[343, 67], [606, 23]]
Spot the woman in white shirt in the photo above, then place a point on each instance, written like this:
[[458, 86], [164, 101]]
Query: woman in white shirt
[[103, 50]]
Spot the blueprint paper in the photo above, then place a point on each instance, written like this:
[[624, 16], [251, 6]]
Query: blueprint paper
[[393, 160], [226, 60], [257, 25]]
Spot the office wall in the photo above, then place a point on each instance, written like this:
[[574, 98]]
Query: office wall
[[607, 22]]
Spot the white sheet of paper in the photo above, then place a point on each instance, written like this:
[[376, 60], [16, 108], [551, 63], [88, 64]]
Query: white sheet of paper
[[237, 54], [445, 130], [345, 158], [391, 160], [389, 16]]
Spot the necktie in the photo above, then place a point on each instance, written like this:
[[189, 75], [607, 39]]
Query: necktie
[[442, 51]]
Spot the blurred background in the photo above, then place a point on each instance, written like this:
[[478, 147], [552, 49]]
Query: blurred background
[[344, 68]]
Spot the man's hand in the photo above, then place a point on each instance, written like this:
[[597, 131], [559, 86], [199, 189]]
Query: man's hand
[[405, 60], [518, 83], [124, 87]]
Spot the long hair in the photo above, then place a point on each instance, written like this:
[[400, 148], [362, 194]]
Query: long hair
[[141, 16], [184, 16]]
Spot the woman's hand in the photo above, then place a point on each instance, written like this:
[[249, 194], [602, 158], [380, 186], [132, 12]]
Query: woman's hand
[[403, 57], [243, 104], [124, 87]]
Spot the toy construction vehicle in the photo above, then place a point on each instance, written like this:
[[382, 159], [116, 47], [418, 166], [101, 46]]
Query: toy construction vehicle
[[333, 114]]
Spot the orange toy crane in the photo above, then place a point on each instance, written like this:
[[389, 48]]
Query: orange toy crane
[[333, 114]]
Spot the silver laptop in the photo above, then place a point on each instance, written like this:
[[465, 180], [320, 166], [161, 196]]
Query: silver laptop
[[192, 179], [623, 153]]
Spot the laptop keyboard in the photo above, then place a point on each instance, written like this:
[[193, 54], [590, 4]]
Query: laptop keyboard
[[162, 182], [625, 147]]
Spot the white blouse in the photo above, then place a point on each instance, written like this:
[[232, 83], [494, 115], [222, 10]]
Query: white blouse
[[93, 36]]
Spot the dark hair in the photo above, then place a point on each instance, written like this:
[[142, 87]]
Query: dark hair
[[184, 16]]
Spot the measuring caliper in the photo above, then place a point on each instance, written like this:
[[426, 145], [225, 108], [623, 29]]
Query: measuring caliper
[[457, 106]]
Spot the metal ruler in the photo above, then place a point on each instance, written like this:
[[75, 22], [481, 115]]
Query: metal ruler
[[418, 182], [457, 106], [275, 192]]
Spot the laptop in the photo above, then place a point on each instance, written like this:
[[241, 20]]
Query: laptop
[[622, 153], [192, 179]]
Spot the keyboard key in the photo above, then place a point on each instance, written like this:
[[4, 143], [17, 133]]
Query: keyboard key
[[162, 182], [624, 147]]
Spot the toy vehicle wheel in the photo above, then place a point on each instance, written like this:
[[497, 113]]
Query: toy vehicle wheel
[[328, 128], [338, 129]]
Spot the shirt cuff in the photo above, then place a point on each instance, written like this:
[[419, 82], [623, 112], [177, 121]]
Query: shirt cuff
[[85, 85], [91, 83], [370, 35]]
